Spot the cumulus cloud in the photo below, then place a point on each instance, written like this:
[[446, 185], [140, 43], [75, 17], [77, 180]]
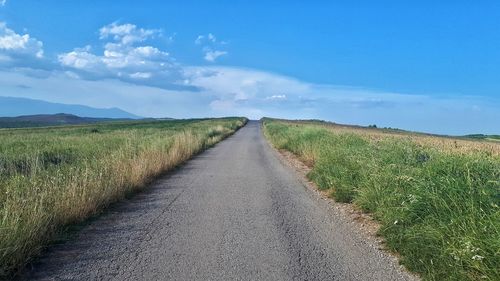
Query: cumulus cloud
[[125, 60], [127, 33], [18, 49]]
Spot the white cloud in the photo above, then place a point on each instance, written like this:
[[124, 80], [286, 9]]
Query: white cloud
[[254, 93], [3, 2], [245, 92], [211, 47], [209, 38], [276, 97], [81, 59], [127, 33], [211, 56], [141, 75], [18, 48], [199, 39], [122, 59]]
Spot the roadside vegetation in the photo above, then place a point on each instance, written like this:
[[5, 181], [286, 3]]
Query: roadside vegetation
[[55, 176], [437, 199], [484, 137]]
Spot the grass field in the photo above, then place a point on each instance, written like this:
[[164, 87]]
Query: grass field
[[55, 176], [437, 199]]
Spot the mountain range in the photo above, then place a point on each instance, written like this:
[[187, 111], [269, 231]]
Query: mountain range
[[13, 106], [43, 120]]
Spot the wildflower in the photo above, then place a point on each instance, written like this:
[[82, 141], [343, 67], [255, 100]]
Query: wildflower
[[477, 257], [396, 221], [470, 248]]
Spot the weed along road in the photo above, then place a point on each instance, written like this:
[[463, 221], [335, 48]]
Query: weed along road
[[234, 212]]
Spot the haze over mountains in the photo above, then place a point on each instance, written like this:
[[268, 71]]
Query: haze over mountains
[[43, 120], [13, 106]]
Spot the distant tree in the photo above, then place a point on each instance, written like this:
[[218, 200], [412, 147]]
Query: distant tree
[[372, 126]]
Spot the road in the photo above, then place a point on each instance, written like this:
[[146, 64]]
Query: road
[[234, 212]]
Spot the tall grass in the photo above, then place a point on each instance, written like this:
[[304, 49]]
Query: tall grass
[[51, 177], [438, 205]]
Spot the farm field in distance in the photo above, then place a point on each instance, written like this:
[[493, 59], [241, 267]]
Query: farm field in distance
[[54, 176], [436, 198]]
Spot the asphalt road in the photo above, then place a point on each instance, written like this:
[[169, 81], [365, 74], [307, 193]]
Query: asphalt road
[[234, 212]]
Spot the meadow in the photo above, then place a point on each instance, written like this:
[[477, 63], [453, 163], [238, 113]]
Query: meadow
[[436, 198], [56, 176]]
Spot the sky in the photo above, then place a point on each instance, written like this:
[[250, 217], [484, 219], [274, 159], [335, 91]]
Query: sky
[[430, 66]]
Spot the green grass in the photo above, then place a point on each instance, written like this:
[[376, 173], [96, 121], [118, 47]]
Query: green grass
[[438, 208], [484, 137], [55, 176]]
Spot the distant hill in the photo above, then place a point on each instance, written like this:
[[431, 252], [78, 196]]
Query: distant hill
[[41, 120], [11, 107], [484, 137]]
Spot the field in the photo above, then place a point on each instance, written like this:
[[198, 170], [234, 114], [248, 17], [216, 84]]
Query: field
[[437, 199], [55, 176]]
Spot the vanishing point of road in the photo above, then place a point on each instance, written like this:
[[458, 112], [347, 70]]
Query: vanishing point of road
[[234, 212]]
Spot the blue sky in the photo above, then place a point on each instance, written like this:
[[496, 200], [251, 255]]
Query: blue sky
[[430, 65]]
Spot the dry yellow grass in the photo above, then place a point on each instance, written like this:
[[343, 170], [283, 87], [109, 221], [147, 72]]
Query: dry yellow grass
[[443, 143], [58, 176]]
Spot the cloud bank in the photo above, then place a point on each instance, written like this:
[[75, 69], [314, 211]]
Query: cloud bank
[[130, 72]]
